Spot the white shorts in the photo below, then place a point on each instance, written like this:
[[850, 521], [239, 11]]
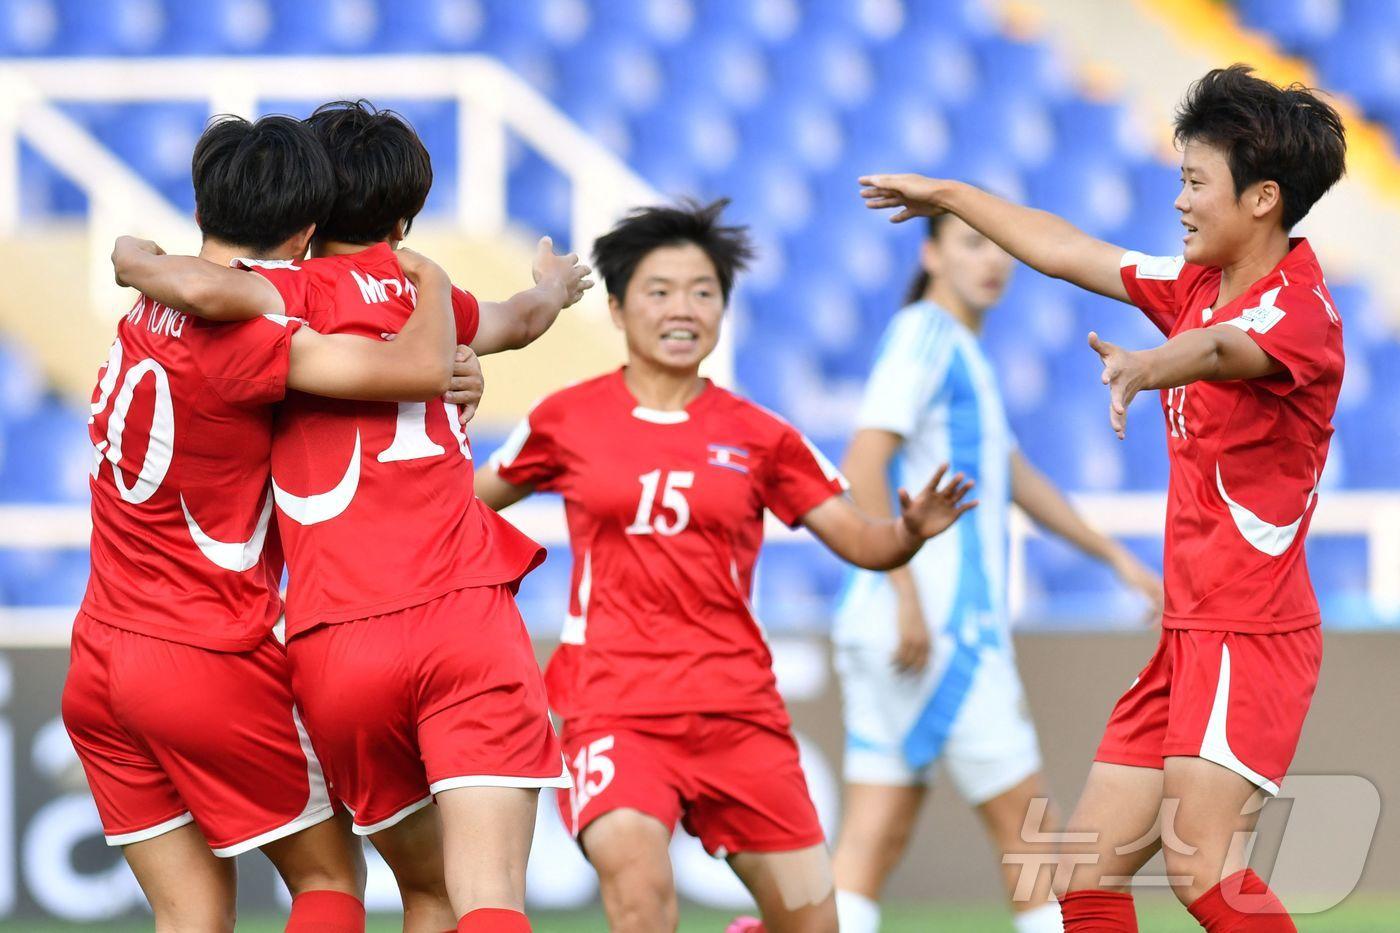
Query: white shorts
[[967, 709]]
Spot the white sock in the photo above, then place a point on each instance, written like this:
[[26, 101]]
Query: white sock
[[856, 913], [1042, 919]]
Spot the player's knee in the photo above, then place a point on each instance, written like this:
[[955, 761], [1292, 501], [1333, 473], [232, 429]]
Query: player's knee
[[1188, 874]]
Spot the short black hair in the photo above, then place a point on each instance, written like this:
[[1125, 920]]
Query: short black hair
[[257, 184], [617, 253], [382, 169], [1285, 134]]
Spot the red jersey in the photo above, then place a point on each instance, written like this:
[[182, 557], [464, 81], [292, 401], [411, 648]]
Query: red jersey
[[1245, 455], [665, 516], [374, 499], [182, 426]]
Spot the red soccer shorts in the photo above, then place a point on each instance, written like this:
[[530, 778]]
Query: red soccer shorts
[[411, 703], [170, 733], [1233, 698], [734, 783]]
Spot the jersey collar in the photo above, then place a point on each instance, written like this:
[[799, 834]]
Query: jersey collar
[[654, 415]]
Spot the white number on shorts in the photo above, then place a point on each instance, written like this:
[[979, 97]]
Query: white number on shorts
[[161, 447], [591, 760], [671, 498]]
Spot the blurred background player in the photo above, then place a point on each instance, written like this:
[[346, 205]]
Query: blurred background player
[[1250, 378], [462, 721], [663, 676], [178, 698], [924, 653]]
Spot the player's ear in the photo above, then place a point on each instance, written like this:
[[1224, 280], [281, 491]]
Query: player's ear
[[400, 232], [931, 258], [615, 309], [301, 240], [1265, 198]]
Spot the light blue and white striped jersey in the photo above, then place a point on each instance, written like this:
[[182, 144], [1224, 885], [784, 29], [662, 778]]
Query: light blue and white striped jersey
[[932, 385]]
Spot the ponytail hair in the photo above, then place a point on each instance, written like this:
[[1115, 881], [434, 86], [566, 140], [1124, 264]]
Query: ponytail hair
[[918, 286]]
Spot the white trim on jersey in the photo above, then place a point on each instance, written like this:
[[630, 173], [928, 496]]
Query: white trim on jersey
[[496, 780], [505, 454], [322, 506], [1215, 744], [150, 832], [236, 556], [576, 626], [1162, 268], [657, 416]]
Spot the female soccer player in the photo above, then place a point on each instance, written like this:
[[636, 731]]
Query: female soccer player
[[924, 652], [1249, 379], [663, 677]]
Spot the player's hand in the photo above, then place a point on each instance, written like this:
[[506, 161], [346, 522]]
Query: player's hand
[[125, 248], [467, 383], [915, 646], [565, 276], [1135, 574], [915, 195], [417, 266], [935, 508], [1124, 374]]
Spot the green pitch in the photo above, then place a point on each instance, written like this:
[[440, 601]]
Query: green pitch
[[1360, 914]]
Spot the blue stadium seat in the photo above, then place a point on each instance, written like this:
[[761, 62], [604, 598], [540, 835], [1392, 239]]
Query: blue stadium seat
[[837, 67], [731, 69], [556, 23], [691, 129], [1011, 67], [48, 456], [937, 66], [658, 22], [1095, 129], [1093, 195], [768, 191], [772, 21], [1014, 125], [803, 125], [154, 139], [28, 27], [218, 27], [21, 385], [111, 27], [620, 71], [44, 190], [323, 26], [872, 22], [1298, 25], [1364, 65], [43, 578], [905, 130], [439, 25], [969, 19], [538, 196]]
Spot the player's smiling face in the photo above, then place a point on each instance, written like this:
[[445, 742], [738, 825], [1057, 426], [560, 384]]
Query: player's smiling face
[[672, 309], [1218, 223]]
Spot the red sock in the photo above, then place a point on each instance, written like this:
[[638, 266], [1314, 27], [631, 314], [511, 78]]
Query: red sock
[[1095, 911], [493, 920], [1242, 903], [326, 912]]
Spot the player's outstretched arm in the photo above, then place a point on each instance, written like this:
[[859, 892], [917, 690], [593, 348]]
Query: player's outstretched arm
[[496, 492], [1041, 240], [193, 285], [869, 542], [1211, 354], [521, 319], [866, 468], [413, 367], [1048, 508]]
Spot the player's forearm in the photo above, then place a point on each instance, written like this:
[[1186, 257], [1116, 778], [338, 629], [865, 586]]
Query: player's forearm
[[1049, 509], [1210, 354], [884, 544], [518, 321], [1043, 241], [867, 470], [196, 286], [422, 353], [496, 492]]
